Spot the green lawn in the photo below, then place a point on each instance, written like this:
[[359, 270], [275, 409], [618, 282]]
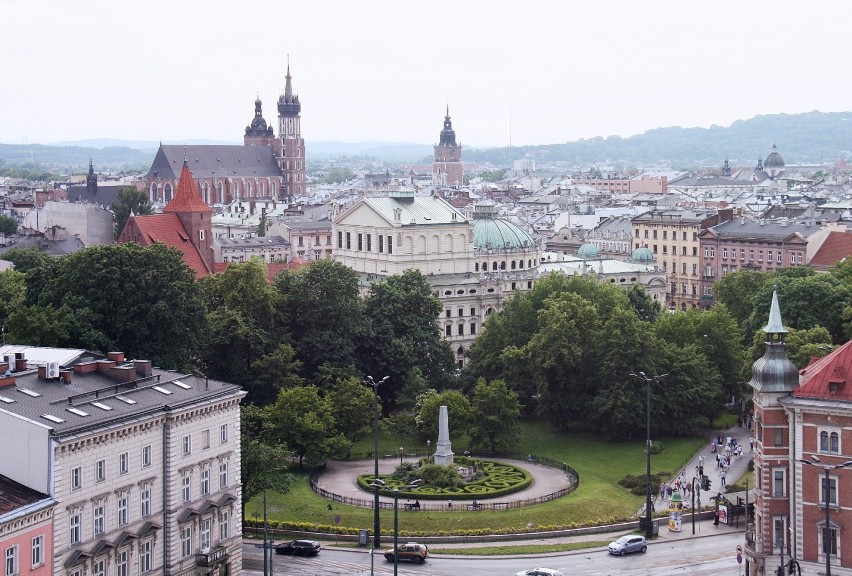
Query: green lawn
[[599, 498]]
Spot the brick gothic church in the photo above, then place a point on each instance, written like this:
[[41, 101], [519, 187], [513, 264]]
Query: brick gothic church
[[265, 166]]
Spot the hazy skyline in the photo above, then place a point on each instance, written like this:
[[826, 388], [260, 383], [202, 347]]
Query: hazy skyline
[[386, 71]]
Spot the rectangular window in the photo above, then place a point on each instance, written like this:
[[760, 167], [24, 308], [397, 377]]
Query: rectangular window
[[664, 234], [145, 501], [381, 244], [461, 312], [74, 527], [98, 518], [448, 313], [694, 269], [473, 328], [779, 485], [38, 551], [145, 557], [349, 241], [224, 528], [779, 437], [186, 488], [301, 241], [779, 536], [461, 329], [390, 244], [187, 445], [100, 470], [339, 239], [99, 567], [369, 242], [448, 330], [123, 463], [223, 475], [122, 509], [654, 234], [205, 439], [832, 491], [473, 311], [328, 240], [832, 541], [316, 240], [646, 234], [185, 541], [751, 254], [760, 255], [778, 257], [205, 481], [724, 252], [121, 563], [684, 267], [360, 241], [205, 534], [223, 434], [12, 560], [76, 478]]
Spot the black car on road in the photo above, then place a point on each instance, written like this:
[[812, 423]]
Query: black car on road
[[299, 548]]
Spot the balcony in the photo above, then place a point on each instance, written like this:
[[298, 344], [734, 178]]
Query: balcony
[[212, 558]]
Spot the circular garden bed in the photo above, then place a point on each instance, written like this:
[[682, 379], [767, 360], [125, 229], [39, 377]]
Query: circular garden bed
[[493, 479]]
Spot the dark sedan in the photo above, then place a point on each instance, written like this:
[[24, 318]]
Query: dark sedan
[[299, 548]]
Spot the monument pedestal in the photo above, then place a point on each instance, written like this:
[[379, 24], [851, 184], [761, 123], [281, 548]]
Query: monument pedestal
[[443, 450]]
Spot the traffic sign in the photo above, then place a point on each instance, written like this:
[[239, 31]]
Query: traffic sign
[[739, 549]]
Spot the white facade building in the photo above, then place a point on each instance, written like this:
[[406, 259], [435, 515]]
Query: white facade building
[[144, 463]]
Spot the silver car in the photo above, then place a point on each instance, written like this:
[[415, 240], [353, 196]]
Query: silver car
[[628, 544], [540, 572]]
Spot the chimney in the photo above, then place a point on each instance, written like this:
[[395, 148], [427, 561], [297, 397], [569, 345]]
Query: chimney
[[42, 372], [85, 367], [123, 373], [105, 366], [20, 362], [7, 381], [115, 356], [65, 376], [143, 368]]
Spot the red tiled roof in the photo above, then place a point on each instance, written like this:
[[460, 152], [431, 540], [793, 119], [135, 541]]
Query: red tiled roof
[[186, 198], [169, 230], [832, 369], [836, 247]]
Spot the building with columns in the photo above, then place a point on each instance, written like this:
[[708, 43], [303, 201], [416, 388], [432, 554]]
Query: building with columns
[[800, 416], [143, 463]]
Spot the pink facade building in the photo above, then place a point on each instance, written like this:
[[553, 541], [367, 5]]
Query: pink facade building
[[26, 530]]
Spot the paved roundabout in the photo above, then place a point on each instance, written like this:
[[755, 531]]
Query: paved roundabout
[[339, 478]]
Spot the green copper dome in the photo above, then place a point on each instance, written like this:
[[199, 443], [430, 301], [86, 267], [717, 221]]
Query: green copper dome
[[588, 251], [493, 233], [642, 255]]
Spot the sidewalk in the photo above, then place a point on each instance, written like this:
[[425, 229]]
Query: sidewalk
[[737, 468]]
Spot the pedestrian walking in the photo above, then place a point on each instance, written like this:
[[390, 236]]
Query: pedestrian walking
[[716, 519], [722, 477], [751, 441]]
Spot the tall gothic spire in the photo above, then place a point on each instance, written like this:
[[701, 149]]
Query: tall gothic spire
[[186, 197], [775, 326], [288, 103], [774, 372]]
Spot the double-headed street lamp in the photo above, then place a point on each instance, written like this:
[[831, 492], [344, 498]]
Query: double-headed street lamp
[[826, 489], [375, 385], [413, 484], [649, 529]]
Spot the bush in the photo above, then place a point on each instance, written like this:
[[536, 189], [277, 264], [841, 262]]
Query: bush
[[440, 476]]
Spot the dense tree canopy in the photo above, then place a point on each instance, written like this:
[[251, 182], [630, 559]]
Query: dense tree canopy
[[129, 201], [494, 416]]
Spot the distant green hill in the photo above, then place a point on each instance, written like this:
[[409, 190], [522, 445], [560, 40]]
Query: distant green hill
[[801, 138]]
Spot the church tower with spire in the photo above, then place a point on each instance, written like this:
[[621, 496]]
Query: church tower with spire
[[289, 148], [258, 133], [195, 215], [447, 167], [773, 378], [92, 180]]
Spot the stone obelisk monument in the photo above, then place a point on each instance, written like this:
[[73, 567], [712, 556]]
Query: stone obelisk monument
[[444, 450]]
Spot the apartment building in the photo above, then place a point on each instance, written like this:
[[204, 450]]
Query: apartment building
[[672, 235], [144, 463], [26, 530]]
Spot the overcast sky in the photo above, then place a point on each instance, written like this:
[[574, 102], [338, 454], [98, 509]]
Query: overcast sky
[[386, 70]]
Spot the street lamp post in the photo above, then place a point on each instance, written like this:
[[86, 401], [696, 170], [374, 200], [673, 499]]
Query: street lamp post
[[649, 530], [375, 385], [401, 451], [413, 484], [826, 485]]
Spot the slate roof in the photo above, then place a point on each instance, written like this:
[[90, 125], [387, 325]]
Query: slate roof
[[168, 229], [836, 247], [14, 496], [818, 377], [106, 195], [214, 161], [416, 210], [769, 229], [123, 401]]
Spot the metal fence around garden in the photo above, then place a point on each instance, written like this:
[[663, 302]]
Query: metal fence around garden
[[451, 504]]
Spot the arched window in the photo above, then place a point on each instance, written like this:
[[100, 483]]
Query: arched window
[[503, 265], [167, 192], [220, 197], [154, 192], [485, 266], [494, 265], [513, 264], [829, 442], [460, 351], [206, 193], [476, 267], [521, 264]]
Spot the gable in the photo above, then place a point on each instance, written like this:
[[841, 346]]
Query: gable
[[362, 214]]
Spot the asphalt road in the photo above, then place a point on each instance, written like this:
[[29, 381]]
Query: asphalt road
[[707, 556]]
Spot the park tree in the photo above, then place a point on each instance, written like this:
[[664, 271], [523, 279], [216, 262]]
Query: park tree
[[494, 414], [402, 334], [736, 291], [304, 421], [26, 259], [129, 201], [263, 463], [458, 413], [690, 396], [800, 346], [46, 326], [272, 373], [645, 307], [8, 225], [13, 289], [324, 313], [352, 408], [246, 324], [141, 300]]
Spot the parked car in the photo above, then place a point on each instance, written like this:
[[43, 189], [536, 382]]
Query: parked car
[[408, 552], [540, 572], [628, 544], [299, 548]]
